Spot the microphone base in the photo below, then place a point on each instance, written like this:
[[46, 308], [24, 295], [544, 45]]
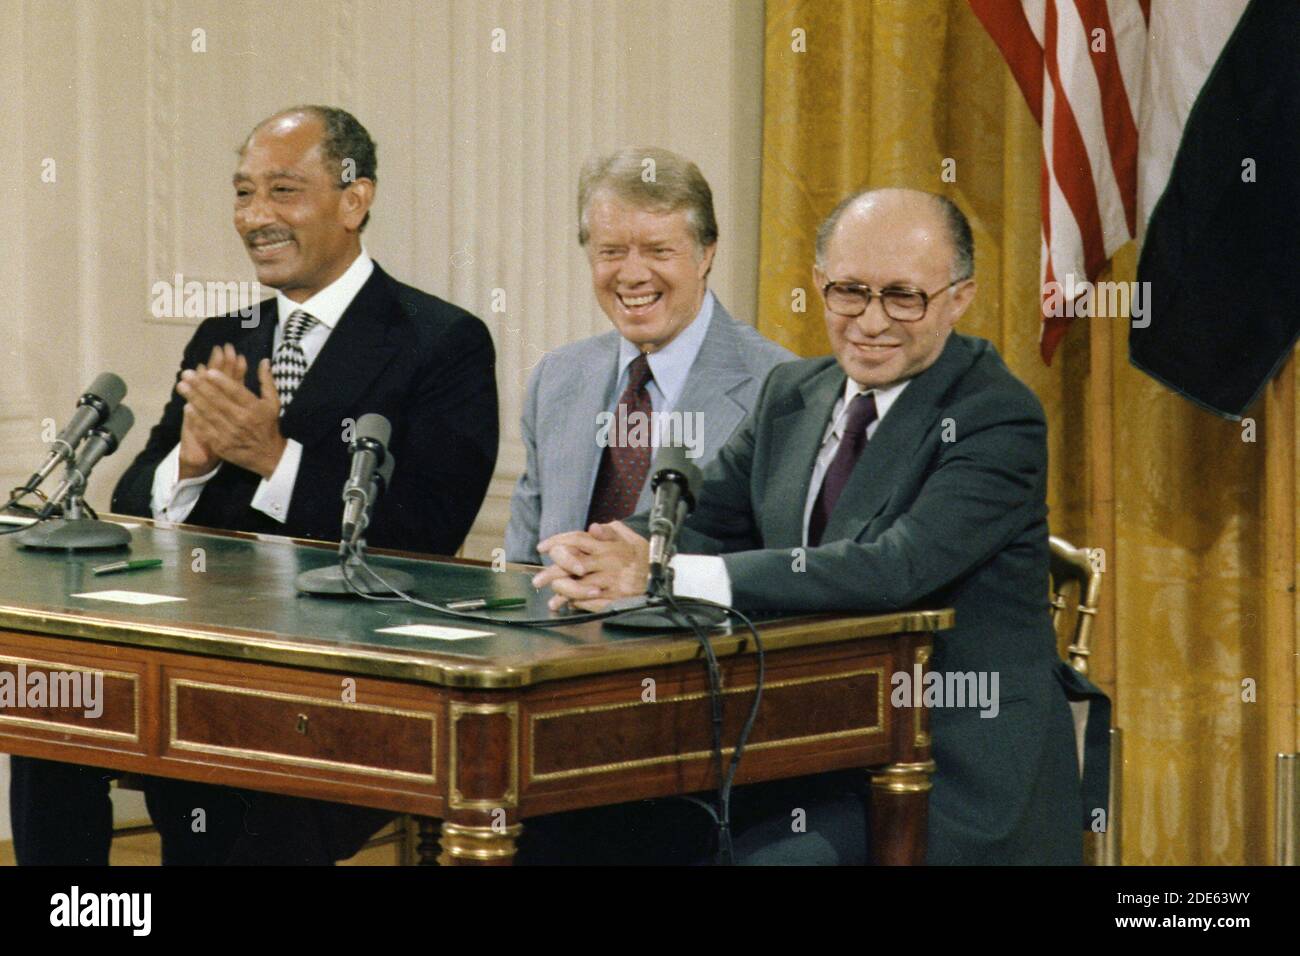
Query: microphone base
[[74, 534], [653, 614], [329, 581]]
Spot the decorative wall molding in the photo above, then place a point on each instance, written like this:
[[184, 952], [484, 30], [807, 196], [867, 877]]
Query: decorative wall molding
[[343, 50], [162, 148], [480, 149], [479, 153]]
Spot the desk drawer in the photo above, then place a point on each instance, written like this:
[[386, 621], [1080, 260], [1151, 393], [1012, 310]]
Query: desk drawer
[[73, 699], [250, 724]]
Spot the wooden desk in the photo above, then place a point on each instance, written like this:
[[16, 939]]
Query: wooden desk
[[245, 684]]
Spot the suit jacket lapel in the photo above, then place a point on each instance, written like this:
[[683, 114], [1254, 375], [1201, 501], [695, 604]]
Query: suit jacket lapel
[[256, 342], [363, 342], [580, 399], [798, 433], [888, 455], [716, 374]]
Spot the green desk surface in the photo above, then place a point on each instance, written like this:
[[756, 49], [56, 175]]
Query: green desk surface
[[243, 605]]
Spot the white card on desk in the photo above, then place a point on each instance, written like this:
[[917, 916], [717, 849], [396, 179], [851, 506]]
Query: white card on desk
[[128, 597], [433, 630]]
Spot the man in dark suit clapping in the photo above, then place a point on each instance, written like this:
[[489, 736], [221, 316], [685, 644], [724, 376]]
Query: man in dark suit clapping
[[253, 439]]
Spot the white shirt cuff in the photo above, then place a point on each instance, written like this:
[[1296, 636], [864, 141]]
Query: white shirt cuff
[[172, 499], [702, 576], [274, 494]]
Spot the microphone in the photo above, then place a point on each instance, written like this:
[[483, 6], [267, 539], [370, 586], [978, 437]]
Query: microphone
[[383, 476], [369, 450], [93, 410], [372, 472], [676, 483], [103, 441]]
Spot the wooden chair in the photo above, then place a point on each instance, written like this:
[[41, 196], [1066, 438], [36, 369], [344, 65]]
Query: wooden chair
[[401, 835], [1079, 571]]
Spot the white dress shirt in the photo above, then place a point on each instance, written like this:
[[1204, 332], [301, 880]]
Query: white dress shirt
[[705, 575], [670, 366], [173, 499]]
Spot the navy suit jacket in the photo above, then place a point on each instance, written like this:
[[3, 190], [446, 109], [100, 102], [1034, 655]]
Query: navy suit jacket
[[424, 364]]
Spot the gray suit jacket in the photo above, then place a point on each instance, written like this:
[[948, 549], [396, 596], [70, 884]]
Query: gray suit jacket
[[947, 507], [572, 385]]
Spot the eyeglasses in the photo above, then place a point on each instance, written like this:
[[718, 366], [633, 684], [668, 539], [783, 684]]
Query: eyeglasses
[[851, 299]]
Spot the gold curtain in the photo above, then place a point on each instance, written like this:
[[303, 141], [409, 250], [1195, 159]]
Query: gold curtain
[[1196, 515]]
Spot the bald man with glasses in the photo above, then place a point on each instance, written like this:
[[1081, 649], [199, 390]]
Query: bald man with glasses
[[910, 470]]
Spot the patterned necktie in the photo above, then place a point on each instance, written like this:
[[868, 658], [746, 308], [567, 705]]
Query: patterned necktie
[[623, 466], [290, 363], [862, 412]]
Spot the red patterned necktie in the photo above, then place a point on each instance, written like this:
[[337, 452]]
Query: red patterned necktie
[[623, 466], [862, 412]]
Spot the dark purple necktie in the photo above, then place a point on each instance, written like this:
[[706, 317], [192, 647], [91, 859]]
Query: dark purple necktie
[[862, 412], [623, 468]]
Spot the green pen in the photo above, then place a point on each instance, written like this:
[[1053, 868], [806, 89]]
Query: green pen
[[485, 604], [128, 566]]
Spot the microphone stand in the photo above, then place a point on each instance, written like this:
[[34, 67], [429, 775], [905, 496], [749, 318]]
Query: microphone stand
[[654, 608], [351, 574], [74, 531]]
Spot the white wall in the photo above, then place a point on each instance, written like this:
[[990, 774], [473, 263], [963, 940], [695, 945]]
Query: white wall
[[478, 160]]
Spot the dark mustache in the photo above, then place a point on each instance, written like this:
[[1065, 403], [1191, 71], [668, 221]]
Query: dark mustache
[[266, 235]]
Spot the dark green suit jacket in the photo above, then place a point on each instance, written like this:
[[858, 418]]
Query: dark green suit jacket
[[946, 508]]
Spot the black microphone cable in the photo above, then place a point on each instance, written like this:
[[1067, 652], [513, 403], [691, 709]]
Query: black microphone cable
[[678, 607], [22, 527], [561, 621], [45, 514], [722, 816], [41, 516], [18, 494]]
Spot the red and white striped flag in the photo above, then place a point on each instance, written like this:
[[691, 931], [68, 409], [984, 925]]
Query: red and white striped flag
[[1080, 66]]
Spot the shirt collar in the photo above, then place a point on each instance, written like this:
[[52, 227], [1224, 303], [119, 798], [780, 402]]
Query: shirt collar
[[885, 398], [328, 305], [671, 364]]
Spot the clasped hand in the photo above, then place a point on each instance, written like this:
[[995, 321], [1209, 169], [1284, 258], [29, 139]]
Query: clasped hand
[[596, 566], [225, 421]]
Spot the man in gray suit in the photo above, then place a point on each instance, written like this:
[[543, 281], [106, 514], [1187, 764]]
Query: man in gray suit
[[909, 469], [677, 368]]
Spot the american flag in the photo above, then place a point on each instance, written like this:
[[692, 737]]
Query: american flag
[[1080, 66]]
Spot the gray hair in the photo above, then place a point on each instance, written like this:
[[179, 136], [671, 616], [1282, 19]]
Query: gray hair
[[954, 220], [650, 178]]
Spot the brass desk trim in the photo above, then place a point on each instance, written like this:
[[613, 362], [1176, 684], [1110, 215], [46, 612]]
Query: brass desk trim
[[265, 756], [905, 777], [921, 737], [455, 799], [481, 844], [595, 769], [371, 662], [54, 726]]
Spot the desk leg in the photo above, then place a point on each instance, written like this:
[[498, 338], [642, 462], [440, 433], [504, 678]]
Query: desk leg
[[483, 754], [464, 845], [427, 849], [900, 795]]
